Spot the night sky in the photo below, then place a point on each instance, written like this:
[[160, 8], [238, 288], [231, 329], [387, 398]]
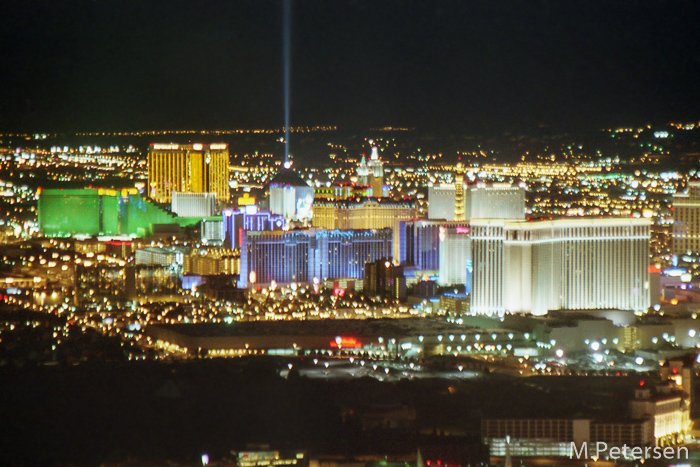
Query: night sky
[[112, 65]]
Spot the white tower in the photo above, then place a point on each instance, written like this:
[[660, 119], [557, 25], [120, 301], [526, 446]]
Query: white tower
[[376, 175]]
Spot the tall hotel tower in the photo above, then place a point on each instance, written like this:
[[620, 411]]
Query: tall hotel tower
[[188, 168], [566, 264], [686, 226]]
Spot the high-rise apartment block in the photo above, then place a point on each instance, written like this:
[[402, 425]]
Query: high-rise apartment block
[[190, 168]]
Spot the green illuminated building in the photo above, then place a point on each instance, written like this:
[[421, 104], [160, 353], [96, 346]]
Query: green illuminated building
[[92, 211]]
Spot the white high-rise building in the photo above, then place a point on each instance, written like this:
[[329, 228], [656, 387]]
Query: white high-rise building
[[441, 202], [461, 202], [193, 204], [497, 201], [566, 264], [454, 255]]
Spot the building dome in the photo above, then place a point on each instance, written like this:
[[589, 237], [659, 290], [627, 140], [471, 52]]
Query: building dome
[[287, 177]]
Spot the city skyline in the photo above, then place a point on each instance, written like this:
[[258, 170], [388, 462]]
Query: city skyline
[[89, 66], [350, 233]]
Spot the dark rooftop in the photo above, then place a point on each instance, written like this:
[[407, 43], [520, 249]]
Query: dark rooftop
[[287, 177]]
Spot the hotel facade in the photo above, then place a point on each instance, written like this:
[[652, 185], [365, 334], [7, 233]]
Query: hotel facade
[[686, 226], [188, 168], [309, 256], [567, 264]]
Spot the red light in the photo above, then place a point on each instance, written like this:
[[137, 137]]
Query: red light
[[675, 371], [346, 342], [641, 383]]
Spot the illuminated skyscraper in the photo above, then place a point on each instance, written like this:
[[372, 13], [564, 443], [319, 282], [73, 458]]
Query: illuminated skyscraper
[[565, 264], [686, 226], [189, 168]]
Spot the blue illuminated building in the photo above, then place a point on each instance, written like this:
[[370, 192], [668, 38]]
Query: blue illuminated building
[[309, 256]]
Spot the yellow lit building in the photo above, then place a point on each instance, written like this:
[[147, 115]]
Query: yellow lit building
[[188, 168], [211, 262], [668, 410], [686, 227], [366, 213]]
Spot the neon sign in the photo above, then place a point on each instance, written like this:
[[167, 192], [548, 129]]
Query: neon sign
[[346, 342]]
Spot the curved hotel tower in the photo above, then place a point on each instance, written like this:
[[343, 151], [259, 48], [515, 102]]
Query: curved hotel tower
[[187, 168]]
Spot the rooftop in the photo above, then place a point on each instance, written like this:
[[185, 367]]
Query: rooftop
[[287, 177]]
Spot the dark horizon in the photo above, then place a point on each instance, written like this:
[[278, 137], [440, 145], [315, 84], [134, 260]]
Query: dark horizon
[[477, 66]]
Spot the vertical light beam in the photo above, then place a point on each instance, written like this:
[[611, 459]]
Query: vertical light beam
[[286, 38]]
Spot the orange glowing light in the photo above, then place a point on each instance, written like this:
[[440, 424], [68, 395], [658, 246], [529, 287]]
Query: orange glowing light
[[346, 342]]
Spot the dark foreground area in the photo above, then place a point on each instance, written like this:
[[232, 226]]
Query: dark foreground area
[[90, 414]]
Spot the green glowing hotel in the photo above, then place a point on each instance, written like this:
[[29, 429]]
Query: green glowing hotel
[[93, 211]]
